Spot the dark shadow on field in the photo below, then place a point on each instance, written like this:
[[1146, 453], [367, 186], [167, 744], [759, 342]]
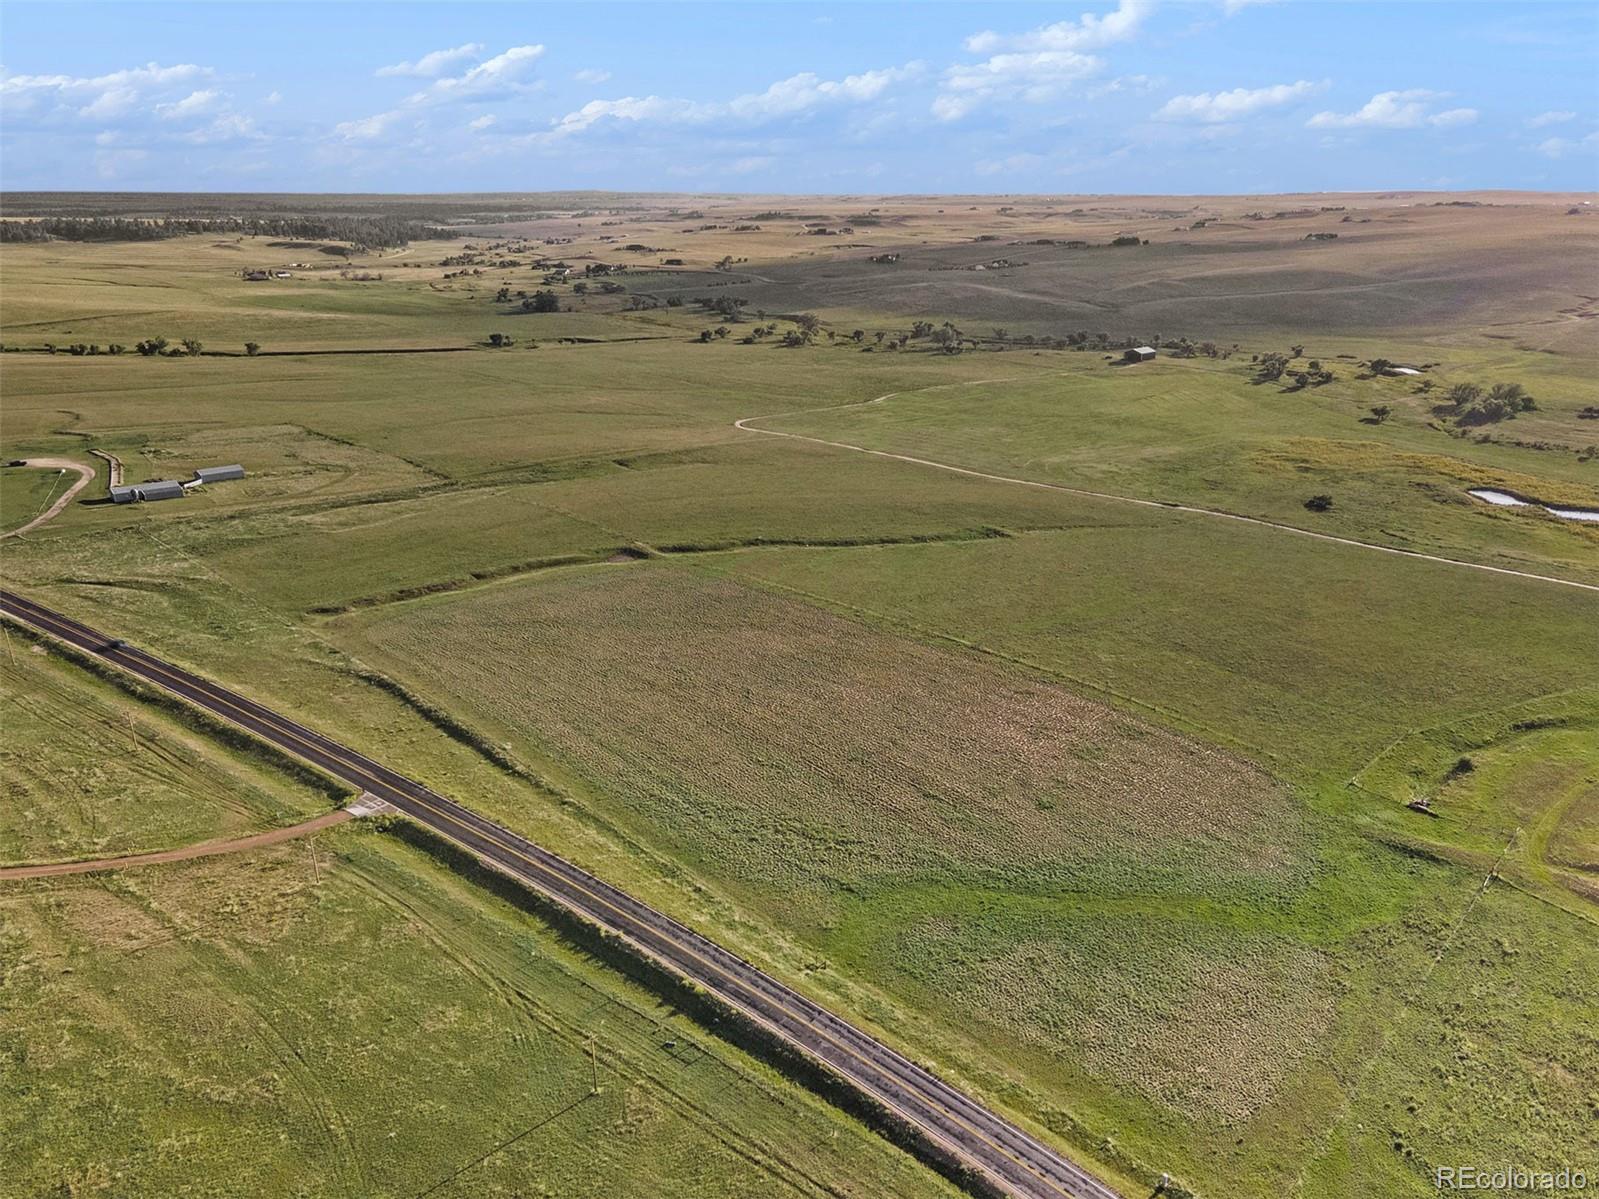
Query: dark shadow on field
[[725, 1023]]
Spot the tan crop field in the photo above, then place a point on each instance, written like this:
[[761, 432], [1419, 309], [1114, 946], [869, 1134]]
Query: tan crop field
[[948, 686], [842, 757]]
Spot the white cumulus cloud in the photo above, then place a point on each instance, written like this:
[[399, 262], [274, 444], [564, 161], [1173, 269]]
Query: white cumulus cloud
[[434, 63], [1452, 117], [366, 128], [1037, 65], [195, 104], [794, 96], [99, 97], [1410, 109], [499, 78], [1088, 32], [1559, 147], [1550, 118], [1034, 76], [501, 75], [591, 75], [1235, 104]]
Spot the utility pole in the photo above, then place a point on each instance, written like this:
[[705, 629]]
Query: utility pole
[[10, 652], [316, 867]]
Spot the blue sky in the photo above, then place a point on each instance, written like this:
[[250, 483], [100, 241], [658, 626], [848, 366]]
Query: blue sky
[[1211, 96]]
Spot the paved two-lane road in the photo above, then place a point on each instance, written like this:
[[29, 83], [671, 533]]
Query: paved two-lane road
[[1012, 1159]]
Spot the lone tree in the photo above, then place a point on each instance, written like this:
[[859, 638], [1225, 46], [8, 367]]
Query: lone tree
[[1381, 413], [1319, 503], [191, 347], [252, 348]]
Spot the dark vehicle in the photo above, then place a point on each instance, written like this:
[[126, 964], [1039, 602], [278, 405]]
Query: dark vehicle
[[114, 643]]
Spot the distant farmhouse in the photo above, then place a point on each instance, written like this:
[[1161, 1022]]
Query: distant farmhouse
[[1139, 354], [173, 489]]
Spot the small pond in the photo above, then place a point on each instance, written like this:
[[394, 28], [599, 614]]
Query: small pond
[[1503, 499]]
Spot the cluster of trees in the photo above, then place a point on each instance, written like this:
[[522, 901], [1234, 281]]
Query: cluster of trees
[[1471, 405], [1183, 348], [189, 347], [1271, 366], [729, 308], [539, 301], [150, 348], [79, 349], [363, 232]]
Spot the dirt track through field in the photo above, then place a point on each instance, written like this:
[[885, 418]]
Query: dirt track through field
[[85, 477], [205, 849], [745, 426], [113, 467]]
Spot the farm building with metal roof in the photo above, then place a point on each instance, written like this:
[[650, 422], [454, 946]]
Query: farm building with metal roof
[[159, 489], [216, 474]]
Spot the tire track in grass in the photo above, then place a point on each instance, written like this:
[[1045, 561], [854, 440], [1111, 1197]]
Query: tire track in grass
[[493, 966], [203, 850], [744, 424]]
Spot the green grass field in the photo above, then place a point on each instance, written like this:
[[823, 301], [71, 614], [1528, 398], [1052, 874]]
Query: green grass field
[[375, 1026], [94, 772], [1099, 807]]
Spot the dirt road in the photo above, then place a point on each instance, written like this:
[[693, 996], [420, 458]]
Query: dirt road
[[1008, 1158], [205, 849], [85, 477], [746, 426]]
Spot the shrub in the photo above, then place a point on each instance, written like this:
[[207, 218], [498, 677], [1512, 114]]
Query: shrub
[[1319, 503]]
